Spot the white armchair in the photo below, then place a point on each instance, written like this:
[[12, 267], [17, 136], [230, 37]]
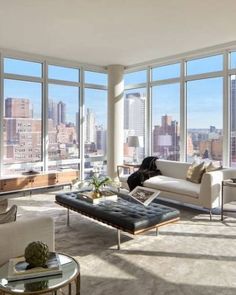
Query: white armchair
[[15, 236]]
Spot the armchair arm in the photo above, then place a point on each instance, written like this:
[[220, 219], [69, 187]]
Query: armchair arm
[[121, 169], [210, 190]]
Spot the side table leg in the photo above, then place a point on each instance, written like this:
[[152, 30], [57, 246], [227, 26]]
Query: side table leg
[[222, 201], [69, 287], [77, 285], [118, 239], [68, 217]]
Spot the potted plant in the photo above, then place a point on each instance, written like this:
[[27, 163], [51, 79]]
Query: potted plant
[[97, 183]]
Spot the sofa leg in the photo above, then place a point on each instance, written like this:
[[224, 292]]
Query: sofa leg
[[68, 217]]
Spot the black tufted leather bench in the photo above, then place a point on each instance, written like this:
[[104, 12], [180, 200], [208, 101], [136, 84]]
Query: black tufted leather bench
[[125, 214]]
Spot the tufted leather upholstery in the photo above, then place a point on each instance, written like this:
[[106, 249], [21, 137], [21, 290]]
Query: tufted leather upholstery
[[125, 213]]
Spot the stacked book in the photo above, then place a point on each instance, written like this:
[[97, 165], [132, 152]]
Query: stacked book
[[88, 196], [19, 269]]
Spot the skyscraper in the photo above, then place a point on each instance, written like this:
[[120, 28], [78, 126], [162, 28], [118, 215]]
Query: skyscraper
[[18, 108], [52, 111], [90, 126], [166, 138], [61, 113], [134, 119], [101, 139]]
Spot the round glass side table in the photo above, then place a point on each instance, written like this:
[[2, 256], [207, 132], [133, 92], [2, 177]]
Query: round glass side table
[[70, 273]]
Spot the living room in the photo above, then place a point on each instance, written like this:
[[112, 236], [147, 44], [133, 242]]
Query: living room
[[87, 86]]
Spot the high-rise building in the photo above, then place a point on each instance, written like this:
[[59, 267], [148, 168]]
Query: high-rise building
[[90, 126], [61, 113], [52, 111], [18, 108], [166, 138], [134, 119], [101, 139]]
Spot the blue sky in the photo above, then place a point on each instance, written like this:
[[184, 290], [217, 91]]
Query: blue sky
[[94, 99]]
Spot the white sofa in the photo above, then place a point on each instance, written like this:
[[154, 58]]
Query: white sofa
[[174, 186], [15, 236]]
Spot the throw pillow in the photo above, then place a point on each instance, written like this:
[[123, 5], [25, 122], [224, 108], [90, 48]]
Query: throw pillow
[[195, 172], [213, 167], [9, 216]]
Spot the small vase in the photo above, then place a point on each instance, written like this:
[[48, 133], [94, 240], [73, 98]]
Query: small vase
[[96, 194]]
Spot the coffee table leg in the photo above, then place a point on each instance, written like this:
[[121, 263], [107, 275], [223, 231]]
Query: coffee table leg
[[68, 217], [118, 239]]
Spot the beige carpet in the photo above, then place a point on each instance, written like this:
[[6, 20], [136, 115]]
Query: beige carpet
[[193, 256]]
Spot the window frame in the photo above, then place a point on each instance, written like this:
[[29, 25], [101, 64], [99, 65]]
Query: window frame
[[45, 81]]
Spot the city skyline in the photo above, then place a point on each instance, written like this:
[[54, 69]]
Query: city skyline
[[134, 105]]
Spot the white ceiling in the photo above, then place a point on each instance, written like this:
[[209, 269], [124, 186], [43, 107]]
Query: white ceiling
[[104, 32]]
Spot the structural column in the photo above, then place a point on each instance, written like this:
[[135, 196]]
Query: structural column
[[115, 124]]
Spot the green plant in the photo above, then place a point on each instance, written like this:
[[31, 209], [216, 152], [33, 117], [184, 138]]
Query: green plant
[[98, 182]]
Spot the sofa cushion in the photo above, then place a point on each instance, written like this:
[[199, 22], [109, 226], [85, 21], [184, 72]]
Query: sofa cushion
[[173, 185], [174, 169], [213, 167], [195, 172]]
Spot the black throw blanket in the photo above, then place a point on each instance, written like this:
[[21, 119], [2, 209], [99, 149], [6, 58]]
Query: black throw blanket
[[147, 169]]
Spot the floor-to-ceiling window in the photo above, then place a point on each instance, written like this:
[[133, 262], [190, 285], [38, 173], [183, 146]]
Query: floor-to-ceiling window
[[135, 101], [95, 118], [233, 109], [44, 108], [22, 116], [165, 111], [204, 98], [190, 108], [63, 117]]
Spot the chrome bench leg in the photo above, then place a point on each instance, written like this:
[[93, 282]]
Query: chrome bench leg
[[157, 231], [118, 239], [68, 217]]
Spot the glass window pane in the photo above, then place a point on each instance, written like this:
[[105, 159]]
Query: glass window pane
[[166, 72], [22, 122], [63, 122], [63, 73], [233, 122], [134, 124], [22, 67], [165, 121], [204, 119], [95, 130], [95, 78], [205, 65], [233, 60], [135, 77]]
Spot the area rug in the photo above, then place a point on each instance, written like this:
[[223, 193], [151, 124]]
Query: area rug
[[192, 256]]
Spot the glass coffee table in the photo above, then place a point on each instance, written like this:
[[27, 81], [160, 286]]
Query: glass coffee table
[[70, 273]]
